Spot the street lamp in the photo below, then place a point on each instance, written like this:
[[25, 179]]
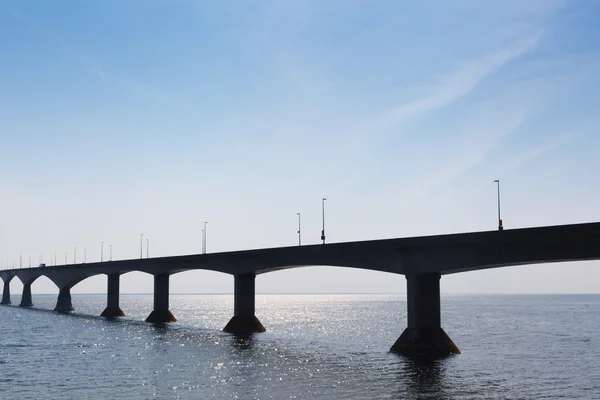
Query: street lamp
[[75, 256], [147, 248], [110, 253], [102, 252], [299, 228], [323, 231], [500, 227], [84, 256], [204, 239]]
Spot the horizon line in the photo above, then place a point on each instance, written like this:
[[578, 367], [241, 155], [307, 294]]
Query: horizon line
[[324, 293]]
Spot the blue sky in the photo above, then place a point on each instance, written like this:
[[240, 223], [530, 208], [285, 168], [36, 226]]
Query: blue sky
[[125, 117]]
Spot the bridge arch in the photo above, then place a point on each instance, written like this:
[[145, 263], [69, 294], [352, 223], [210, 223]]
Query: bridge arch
[[201, 281], [550, 277], [39, 291], [136, 282], [92, 284], [16, 285], [328, 279], [43, 285]]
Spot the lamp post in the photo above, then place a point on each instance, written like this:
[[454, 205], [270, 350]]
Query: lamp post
[[500, 227], [102, 252], [299, 229], [75, 256], [141, 244], [84, 256], [110, 253], [204, 239], [147, 248], [323, 231]]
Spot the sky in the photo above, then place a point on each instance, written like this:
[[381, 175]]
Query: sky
[[123, 118]]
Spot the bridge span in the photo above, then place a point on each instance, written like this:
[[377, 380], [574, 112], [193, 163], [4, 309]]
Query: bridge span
[[423, 260]]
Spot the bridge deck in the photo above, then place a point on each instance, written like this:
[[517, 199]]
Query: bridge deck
[[450, 253]]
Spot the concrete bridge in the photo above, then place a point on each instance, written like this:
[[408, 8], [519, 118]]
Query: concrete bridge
[[423, 260]]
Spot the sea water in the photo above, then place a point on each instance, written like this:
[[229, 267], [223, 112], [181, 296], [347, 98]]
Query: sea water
[[315, 347]]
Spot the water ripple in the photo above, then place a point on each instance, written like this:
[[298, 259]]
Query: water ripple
[[316, 347]]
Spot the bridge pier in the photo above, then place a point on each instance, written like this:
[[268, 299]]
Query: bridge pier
[[63, 304], [26, 297], [112, 298], [424, 334], [6, 292], [244, 321], [161, 311]]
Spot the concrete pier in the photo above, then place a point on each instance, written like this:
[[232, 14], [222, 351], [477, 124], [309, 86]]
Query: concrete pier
[[6, 292], [161, 311], [26, 297], [244, 321], [63, 304], [112, 298], [424, 334]]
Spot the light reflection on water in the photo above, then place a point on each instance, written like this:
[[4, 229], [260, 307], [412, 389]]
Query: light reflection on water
[[316, 346]]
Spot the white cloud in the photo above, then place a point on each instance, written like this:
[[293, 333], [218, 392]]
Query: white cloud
[[459, 83], [536, 152], [97, 70], [472, 147], [154, 94]]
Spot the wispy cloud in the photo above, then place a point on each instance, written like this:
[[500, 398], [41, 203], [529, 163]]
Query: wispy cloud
[[479, 135], [458, 83], [158, 96], [95, 69], [536, 152], [473, 147]]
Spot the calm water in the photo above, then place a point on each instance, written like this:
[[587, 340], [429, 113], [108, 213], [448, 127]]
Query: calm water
[[316, 347]]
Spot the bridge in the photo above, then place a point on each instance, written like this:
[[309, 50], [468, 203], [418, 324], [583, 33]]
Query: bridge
[[423, 260]]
